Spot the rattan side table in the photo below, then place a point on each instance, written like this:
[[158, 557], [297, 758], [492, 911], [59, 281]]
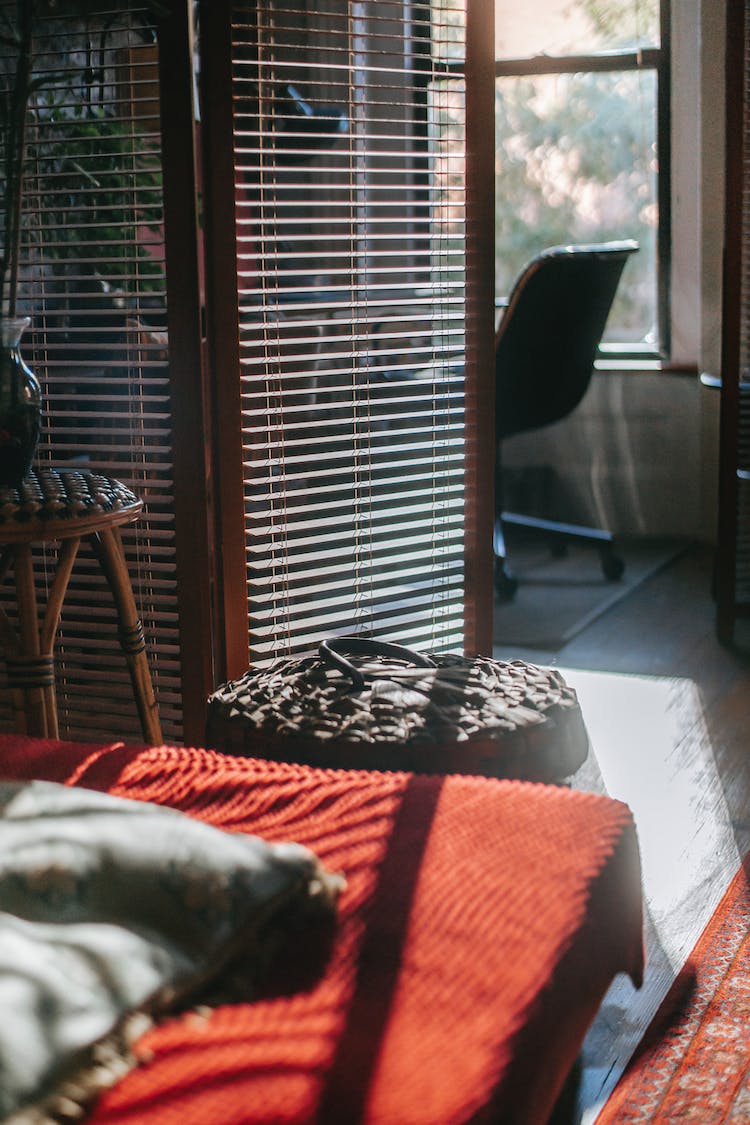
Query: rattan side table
[[66, 506]]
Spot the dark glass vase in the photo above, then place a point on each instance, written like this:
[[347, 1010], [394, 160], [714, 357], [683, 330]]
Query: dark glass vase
[[20, 405]]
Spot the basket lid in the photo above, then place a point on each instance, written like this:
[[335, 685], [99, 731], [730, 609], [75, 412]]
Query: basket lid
[[358, 693]]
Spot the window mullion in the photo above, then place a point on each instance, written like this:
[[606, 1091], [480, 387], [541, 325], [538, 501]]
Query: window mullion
[[646, 58]]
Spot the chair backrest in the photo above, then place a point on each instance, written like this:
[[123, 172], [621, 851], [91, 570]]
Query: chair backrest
[[547, 341]]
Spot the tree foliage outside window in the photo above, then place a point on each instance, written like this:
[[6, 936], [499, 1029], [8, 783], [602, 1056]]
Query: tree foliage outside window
[[621, 23], [98, 194], [100, 181], [573, 166], [576, 161], [51, 55]]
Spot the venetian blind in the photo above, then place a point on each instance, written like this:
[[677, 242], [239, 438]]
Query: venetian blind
[[94, 288], [350, 203]]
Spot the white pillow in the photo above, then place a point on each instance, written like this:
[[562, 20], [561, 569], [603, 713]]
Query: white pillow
[[111, 907]]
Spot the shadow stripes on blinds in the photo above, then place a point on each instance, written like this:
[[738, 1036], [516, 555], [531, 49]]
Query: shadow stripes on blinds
[[350, 193], [94, 287]]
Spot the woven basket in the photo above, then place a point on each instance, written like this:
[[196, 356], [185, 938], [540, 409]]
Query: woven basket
[[363, 704]]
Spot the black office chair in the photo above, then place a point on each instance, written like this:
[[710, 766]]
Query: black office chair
[[545, 349]]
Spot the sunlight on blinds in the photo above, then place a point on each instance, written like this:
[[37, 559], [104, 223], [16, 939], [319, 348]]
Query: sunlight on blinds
[[349, 152], [93, 284]]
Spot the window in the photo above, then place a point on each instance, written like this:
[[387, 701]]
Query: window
[[306, 444], [93, 284], [581, 148], [342, 412]]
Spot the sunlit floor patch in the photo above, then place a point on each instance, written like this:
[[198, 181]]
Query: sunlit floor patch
[[651, 748]]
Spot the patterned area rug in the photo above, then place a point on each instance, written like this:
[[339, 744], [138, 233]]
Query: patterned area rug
[[693, 1064]]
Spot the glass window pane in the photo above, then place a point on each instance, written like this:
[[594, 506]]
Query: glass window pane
[[575, 162], [557, 27], [448, 30]]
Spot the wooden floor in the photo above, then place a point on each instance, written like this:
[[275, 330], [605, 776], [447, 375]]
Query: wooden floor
[[668, 714]]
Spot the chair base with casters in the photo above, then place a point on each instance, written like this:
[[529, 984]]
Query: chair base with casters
[[559, 535], [545, 349]]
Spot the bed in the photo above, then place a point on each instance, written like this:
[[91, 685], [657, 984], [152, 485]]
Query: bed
[[481, 924]]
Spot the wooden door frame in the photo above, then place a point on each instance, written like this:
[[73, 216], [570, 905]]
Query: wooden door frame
[[189, 411], [480, 328], [727, 609]]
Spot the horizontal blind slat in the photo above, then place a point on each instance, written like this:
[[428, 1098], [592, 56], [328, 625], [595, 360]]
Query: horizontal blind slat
[[351, 283], [94, 259]]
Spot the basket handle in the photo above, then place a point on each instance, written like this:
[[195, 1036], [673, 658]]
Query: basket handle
[[333, 652]]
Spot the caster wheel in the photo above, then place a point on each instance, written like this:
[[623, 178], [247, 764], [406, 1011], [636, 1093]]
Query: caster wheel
[[613, 567], [505, 584]]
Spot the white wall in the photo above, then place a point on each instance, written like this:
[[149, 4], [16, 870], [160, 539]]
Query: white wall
[[639, 454], [629, 457]]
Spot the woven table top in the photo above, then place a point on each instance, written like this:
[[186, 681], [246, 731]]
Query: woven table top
[[60, 503]]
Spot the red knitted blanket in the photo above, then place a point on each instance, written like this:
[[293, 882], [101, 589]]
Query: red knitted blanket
[[482, 922]]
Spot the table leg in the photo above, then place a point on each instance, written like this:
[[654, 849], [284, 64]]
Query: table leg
[[31, 670], [107, 547], [65, 559], [9, 641]]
